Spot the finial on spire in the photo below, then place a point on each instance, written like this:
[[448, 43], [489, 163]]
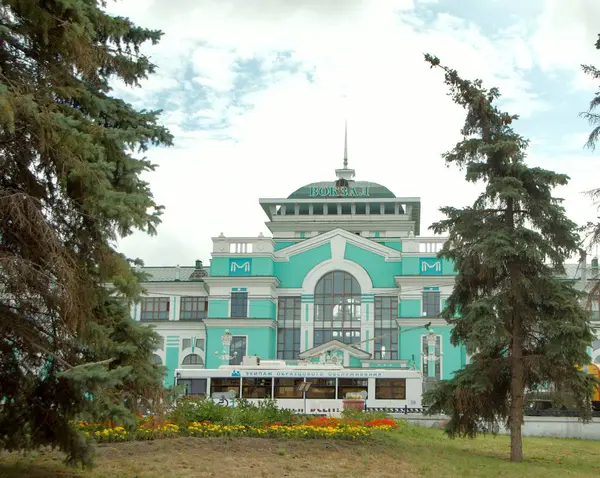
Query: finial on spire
[[346, 144]]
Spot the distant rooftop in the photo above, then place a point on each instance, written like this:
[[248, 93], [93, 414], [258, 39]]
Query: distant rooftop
[[173, 273]]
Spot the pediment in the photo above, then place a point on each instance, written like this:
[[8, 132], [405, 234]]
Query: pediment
[[334, 345], [339, 236]]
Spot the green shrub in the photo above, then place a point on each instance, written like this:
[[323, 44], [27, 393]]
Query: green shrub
[[244, 413], [354, 414]]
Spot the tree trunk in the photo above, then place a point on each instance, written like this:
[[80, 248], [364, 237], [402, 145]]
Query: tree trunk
[[516, 367], [516, 392]]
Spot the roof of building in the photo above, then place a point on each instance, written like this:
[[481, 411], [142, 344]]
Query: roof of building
[[375, 190], [171, 274]]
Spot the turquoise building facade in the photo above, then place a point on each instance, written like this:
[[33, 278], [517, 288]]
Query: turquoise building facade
[[345, 273]]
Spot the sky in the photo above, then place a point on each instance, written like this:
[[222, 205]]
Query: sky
[[256, 93]]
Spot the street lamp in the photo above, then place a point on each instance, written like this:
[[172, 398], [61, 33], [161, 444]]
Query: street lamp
[[225, 354]]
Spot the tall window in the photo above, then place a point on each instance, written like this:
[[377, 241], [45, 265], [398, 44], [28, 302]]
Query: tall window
[[288, 328], [239, 346], [155, 308], [193, 308], [386, 329], [239, 304], [337, 309], [431, 303]]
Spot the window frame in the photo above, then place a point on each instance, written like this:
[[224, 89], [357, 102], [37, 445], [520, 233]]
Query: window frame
[[183, 362], [380, 384], [285, 326], [429, 301], [339, 290], [237, 360], [155, 313], [198, 310], [239, 305], [385, 310]]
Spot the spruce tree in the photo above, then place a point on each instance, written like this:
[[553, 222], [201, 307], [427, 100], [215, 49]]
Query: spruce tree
[[523, 327], [71, 156], [592, 229]]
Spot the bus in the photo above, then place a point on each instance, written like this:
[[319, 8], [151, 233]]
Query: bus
[[312, 389]]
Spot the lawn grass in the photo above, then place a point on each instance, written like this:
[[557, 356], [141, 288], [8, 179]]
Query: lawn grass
[[408, 452]]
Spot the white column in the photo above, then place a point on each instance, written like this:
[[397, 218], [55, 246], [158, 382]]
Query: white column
[[307, 326], [367, 327]]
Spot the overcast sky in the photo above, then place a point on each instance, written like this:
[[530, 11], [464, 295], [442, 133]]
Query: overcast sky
[[256, 92]]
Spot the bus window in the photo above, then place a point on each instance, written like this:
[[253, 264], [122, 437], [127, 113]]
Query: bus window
[[256, 387], [390, 389], [287, 387], [193, 386], [321, 388], [224, 385], [351, 385]]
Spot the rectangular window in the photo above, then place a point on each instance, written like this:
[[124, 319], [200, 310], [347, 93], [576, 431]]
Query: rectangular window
[[321, 388], [194, 386], [288, 387], [390, 389], [193, 308], [288, 328], [238, 349], [431, 303], [155, 308], [224, 385], [239, 304], [256, 387], [352, 385], [386, 329]]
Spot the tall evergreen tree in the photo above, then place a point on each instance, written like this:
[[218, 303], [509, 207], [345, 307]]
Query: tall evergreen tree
[[592, 228], [71, 155], [522, 326]]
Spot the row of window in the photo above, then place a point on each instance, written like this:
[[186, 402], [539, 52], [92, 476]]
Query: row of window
[[190, 308], [386, 349], [282, 388], [332, 309]]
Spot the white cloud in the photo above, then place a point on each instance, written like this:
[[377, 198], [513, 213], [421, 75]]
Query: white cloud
[[565, 38], [400, 117]]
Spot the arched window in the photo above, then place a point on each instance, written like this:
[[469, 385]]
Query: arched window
[[337, 309], [193, 359], [156, 360]]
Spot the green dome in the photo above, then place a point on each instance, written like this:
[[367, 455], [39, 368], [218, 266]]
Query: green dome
[[328, 189]]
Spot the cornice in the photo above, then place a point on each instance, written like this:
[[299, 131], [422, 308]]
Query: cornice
[[246, 322]]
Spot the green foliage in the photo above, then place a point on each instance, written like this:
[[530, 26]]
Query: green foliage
[[244, 413], [71, 159], [523, 325], [592, 228], [353, 414]]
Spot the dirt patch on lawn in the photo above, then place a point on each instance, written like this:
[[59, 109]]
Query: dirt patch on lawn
[[218, 457]]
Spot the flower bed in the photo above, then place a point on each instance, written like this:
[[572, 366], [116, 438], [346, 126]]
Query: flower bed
[[314, 428]]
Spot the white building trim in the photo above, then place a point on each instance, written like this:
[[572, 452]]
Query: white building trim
[[338, 237]]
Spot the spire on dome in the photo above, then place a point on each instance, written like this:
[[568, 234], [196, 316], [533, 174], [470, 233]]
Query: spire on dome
[[346, 144], [345, 173]]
